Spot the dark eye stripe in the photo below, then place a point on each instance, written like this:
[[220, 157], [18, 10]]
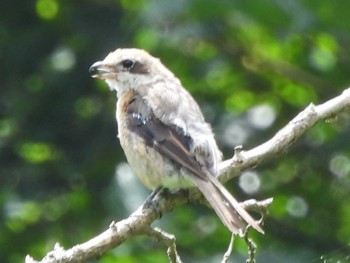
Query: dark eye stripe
[[139, 68]]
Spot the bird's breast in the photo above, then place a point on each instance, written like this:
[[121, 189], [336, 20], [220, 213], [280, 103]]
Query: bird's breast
[[152, 168]]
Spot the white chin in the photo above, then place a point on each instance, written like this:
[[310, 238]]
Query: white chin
[[112, 84]]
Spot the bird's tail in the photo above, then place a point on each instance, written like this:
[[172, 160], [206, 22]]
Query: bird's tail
[[232, 215]]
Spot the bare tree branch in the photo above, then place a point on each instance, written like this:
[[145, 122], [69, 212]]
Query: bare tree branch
[[139, 222], [305, 120]]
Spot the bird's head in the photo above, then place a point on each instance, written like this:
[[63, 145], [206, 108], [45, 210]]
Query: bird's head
[[129, 68]]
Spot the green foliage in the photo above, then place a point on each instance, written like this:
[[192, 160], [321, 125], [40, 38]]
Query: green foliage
[[242, 60], [47, 9]]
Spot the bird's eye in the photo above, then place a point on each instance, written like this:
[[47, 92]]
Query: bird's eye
[[127, 64]]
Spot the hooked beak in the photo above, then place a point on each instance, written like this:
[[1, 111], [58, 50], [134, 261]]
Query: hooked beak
[[102, 70]]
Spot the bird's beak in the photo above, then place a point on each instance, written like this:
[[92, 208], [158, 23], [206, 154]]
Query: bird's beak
[[102, 70]]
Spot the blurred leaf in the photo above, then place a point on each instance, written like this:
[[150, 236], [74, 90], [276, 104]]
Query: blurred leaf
[[37, 152], [47, 9]]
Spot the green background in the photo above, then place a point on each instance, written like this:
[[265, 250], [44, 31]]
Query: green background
[[251, 65]]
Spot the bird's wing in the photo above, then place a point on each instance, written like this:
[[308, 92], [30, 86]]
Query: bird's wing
[[175, 145], [170, 141]]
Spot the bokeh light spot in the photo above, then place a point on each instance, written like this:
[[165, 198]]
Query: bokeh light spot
[[235, 134], [63, 59], [47, 9], [339, 165], [128, 183], [297, 207], [250, 182], [36, 152], [261, 116]]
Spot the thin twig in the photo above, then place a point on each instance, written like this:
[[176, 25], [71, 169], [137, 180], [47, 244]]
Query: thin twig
[[168, 239], [229, 250], [251, 249]]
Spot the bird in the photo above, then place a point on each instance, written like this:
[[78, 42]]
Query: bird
[[163, 133]]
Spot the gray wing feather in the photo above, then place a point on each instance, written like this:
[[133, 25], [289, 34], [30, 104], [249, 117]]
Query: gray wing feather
[[172, 143]]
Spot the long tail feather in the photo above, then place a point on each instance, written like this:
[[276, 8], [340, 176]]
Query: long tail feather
[[226, 206]]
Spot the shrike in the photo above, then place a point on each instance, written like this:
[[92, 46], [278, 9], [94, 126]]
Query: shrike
[[163, 132]]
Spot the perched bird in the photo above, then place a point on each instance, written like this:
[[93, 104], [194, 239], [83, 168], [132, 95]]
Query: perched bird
[[163, 132]]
